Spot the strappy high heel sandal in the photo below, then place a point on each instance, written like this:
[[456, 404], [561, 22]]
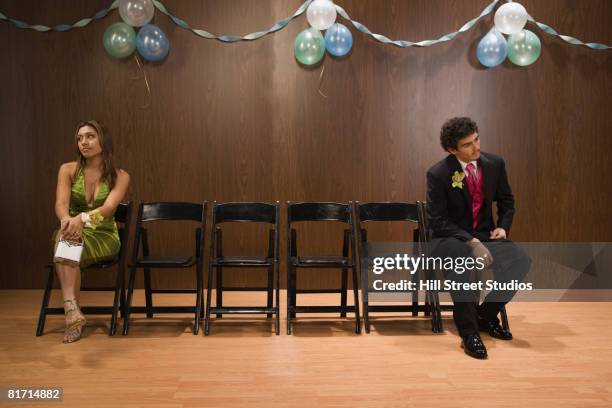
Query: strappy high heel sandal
[[75, 321]]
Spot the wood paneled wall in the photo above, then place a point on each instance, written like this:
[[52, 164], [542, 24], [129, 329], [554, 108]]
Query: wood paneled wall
[[244, 122]]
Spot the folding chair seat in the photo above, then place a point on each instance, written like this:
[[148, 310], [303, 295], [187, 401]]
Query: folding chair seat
[[242, 260], [331, 261]]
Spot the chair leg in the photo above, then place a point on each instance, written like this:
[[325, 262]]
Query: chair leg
[[343, 291], [128, 303], [288, 322], [270, 290], [277, 290], [365, 299], [290, 304], [366, 317], [202, 305], [504, 318], [438, 311], [122, 299], [344, 288], [116, 301], [219, 294], [45, 302], [415, 303], [356, 301], [148, 295], [208, 296], [196, 322], [429, 311], [293, 291]]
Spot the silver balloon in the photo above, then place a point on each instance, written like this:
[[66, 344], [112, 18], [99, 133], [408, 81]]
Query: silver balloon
[[321, 14], [136, 12], [511, 18]]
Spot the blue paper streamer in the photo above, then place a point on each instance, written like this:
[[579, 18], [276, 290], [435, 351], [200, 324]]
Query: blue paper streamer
[[233, 38], [282, 23], [424, 43], [570, 40], [62, 27]]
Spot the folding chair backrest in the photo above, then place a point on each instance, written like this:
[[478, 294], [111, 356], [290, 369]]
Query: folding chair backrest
[[318, 211], [245, 212], [171, 211], [123, 212], [387, 211]]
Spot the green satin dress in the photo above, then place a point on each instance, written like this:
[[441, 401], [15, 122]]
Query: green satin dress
[[102, 243]]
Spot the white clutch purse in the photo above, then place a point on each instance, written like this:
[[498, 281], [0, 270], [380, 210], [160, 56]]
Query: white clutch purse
[[68, 251]]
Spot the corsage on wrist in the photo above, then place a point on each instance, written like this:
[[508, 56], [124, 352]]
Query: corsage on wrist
[[92, 218]]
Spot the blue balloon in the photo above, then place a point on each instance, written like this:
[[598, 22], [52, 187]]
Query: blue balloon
[[338, 40], [492, 49], [152, 43]]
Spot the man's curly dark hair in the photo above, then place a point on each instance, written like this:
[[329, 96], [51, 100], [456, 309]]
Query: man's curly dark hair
[[455, 129]]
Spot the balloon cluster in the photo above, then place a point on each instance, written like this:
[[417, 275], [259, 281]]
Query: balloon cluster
[[120, 39], [522, 47], [310, 45]]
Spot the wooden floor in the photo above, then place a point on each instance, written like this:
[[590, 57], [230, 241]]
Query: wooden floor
[[561, 357]]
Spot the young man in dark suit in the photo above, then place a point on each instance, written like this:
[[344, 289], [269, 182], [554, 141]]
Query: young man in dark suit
[[461, 190]]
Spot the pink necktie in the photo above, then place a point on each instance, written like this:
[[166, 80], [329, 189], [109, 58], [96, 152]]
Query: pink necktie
[[471, 174], [472, 182]]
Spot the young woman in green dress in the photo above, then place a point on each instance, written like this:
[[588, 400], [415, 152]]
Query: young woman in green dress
[[88, 193]]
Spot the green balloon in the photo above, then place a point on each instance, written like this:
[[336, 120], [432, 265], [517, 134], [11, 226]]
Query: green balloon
[[119, 40], [524, 48], [309, 46]]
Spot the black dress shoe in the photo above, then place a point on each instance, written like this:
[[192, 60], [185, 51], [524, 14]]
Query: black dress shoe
[[473, 346], [494, 329]]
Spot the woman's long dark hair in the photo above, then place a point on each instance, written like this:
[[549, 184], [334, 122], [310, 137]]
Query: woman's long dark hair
[[109, 172]]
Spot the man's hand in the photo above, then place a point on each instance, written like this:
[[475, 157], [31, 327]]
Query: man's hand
[[481, 251], [498, 233]]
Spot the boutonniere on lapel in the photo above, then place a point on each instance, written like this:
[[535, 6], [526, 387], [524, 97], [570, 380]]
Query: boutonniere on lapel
[[458, 179]]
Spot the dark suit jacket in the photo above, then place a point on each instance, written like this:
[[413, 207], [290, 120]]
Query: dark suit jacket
[[449, 209]]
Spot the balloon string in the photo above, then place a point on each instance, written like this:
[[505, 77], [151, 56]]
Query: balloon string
[[137, 74], [146, 80], [321, 80]]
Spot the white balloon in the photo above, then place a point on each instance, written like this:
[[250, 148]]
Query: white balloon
[[511, 18], [321, 14], [136, 12]]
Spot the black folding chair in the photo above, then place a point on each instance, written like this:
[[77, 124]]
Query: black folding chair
[[368, 213], [122, 217], [167, 211], [243, 212], [316, 211], [427, 234]]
